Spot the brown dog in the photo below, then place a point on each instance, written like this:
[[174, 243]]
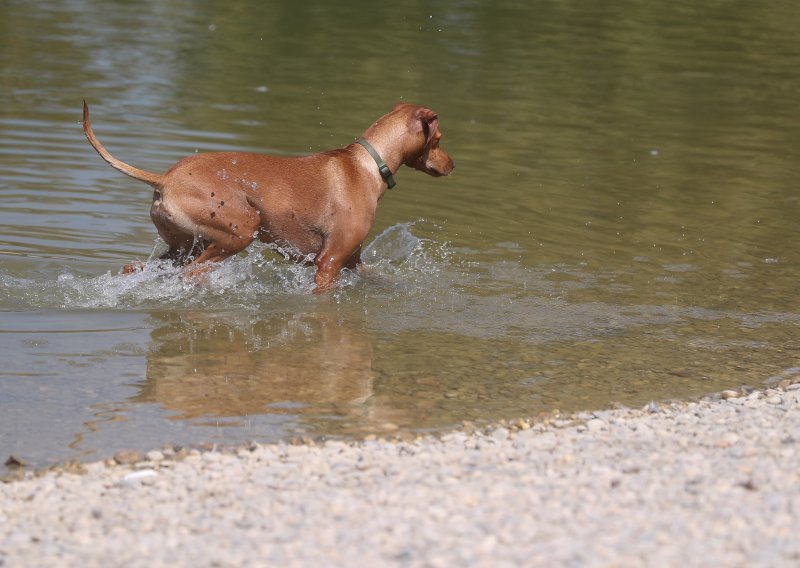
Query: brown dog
[[208, 207]]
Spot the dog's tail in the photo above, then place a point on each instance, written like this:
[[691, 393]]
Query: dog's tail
[[156, 180]]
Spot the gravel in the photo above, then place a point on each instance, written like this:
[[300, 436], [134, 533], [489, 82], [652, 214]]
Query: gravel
[[711, 482]]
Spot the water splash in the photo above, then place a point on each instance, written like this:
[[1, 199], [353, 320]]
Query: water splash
[[394, 259]]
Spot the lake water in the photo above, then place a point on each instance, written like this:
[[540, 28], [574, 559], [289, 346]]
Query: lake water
[[621, 226]]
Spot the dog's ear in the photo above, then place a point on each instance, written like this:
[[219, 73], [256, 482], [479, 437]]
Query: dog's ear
[[429, 121]]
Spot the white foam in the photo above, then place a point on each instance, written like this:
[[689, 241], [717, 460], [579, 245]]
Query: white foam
[[396, 260]]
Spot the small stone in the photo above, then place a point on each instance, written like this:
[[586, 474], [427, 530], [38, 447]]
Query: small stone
[[139, 477], [95, 468], [454, 438], [500, 434], [595, 425], [728, 394], [127, 457], [13, 462], [154, 456], [211, 457], [775, 399]]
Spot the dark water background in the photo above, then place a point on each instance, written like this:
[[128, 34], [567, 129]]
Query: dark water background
[[621, 226]]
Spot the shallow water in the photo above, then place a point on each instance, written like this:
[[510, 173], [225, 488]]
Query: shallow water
[[621, 225]]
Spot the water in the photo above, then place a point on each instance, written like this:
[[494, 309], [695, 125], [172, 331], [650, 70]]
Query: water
[[621, 225]]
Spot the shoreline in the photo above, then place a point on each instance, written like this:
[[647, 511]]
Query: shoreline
[[714, 480], [17, 469]]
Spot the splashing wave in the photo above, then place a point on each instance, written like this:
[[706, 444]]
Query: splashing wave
[[393, 259]]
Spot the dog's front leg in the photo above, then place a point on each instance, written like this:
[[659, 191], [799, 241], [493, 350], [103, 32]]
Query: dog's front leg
[[335, 255], [328, 269]]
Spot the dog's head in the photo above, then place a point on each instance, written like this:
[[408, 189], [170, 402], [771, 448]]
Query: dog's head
[[426, 156]]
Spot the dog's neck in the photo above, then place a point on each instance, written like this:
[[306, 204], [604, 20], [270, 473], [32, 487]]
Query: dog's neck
[[383, 168], [392, 140]]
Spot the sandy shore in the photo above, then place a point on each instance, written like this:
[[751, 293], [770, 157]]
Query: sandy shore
[[713, 482]]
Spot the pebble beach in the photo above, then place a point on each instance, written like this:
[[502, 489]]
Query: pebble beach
[[709, 482]]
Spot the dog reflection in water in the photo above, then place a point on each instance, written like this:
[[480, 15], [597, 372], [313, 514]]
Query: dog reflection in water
[[201, 365]]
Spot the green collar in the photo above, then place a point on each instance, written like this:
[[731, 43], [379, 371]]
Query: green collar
[[384, 170]]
